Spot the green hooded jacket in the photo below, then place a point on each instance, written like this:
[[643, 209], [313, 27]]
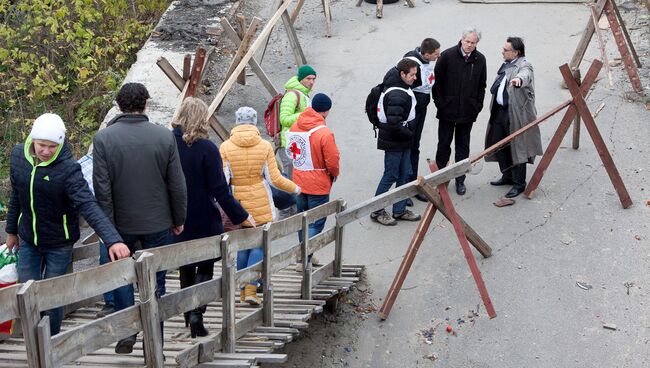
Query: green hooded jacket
[[288, 110]]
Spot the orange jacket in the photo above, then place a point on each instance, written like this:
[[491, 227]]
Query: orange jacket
[[325, 155]]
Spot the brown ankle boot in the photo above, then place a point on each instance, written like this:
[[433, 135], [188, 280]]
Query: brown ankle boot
[[250, 295]]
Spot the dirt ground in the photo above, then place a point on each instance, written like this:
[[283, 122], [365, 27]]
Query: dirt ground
[[564, 265]]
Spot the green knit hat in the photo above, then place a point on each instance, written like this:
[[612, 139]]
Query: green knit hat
[[304, 71]]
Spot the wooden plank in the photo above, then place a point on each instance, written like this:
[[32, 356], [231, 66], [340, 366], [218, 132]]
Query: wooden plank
[[82, 340], [197, 72], [623, 49], [321, 211], [405, 191], [596, 137], [601, 44], [247, 238], [243, 48], [248, 323], [228, 287], [288, 226], [255, 66], [305, 285], [294, 42], [338, 250], [322, 273], [556, 140], [29, 318], [241, 26], [296, 10], [575, 143], [59, 291], [267, 286], [149, 314], [579, 53], [172, 256], [45, 343], [9, 303], [186, 299], [187, 66], [628, 39], [251, 51], [319, 241], [258, 358]]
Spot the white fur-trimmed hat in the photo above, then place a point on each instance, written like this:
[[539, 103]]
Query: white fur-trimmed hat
[[49, 127]]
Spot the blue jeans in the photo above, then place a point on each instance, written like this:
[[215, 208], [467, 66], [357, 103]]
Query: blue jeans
[[307, 202], [397, 170], [124, 295], [39, 263], [248, 257], [109, 299]]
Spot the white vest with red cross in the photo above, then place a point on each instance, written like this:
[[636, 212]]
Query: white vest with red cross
[[381, 113], [427, 76], [299, 149]]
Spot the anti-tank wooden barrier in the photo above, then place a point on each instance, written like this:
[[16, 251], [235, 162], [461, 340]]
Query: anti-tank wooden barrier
[[246, 334]]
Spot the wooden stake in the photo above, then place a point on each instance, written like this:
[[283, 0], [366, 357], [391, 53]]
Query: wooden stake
[[576, 121], [241, 26], [187, 64]]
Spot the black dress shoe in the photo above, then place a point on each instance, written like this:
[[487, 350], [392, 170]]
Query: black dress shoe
[[125, 346], [460, 189], [421, 198], [502, 181], [514, 191]]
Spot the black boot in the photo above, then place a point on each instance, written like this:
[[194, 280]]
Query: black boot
[[186, 315], [196, 323]]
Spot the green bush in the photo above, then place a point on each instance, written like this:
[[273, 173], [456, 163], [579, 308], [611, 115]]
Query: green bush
[[67, 57]]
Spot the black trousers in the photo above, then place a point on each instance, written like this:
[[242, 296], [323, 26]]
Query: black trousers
[[418, 123], [196, 273], [501, 129], [447, 131]]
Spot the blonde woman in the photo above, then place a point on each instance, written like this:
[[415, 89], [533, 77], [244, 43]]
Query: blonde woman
[[206, 184], [250, 167]]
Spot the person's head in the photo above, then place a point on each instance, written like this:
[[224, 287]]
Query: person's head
[[408, 70], [132, 98], [246, 115], [322, 104], [48, 132], [430, 49], [192, 119], [469, 39], [513, 48], [306, 76]]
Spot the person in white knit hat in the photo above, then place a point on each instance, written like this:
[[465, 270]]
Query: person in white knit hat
[[48, 192]]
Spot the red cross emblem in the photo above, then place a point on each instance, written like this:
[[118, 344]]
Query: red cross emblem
[[294, 150], [431, 78]]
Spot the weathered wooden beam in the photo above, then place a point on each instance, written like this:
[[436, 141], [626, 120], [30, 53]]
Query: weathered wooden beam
[[251, 51], [9, 304], [267, 285], [255, 66], [296, 10], [187, 65], [380, 8], [338, 248], [149, 314], [586, 38], [241, 32], [228, 292], [305, 285], [294, 42], [623, 49], [576, 121], [327, 9], [189, 298], [200, 62], [243, 48], [179, 254], [45, 343], [405, 191]]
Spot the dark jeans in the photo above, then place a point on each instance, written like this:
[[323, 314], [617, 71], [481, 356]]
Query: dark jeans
[[397, 170], [418, 124], [501, 129], [124, 295], [109, 299], [39, 263], [446, 130], [307, 202]]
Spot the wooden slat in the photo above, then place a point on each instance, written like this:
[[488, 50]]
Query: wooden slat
[[241, 26], [258, 358], [267, 286], [319, 241], [586, 38], [305, 285], [45, 343], [321, 211], [71, 288], [630, 66], [189, 298], [296, 10], [248, 238], [294, 42], [286, 227], [228, 287], [8, 303], [29, 318], [253, 272], [322, 273], [338, 250], [72, 344], [282, 260], [405, 191], [149, 314], [172, 256]]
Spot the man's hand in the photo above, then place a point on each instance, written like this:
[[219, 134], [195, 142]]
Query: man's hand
[[13, 243], [118, 251], [251, 220], [177, 230], [515, 82]]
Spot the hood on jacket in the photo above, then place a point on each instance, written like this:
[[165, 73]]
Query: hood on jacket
[[293, 83], [310, 119], [416, 54], [245, 135], [393, 79]]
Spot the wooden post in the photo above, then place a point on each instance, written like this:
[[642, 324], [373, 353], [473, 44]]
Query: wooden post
[[228, 294], [555, 142], [296, 10], [576, 121], [380, 8], [601, 147], [241, 26], [45, 343], [306, 265], [187, 63], [255, 66], [29, 318], [338, 250], [197, 72], [267, 286], [149, 314], [327, 9], [293, 39]]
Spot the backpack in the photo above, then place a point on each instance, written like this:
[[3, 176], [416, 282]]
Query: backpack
[[272, 117], [372, 101]]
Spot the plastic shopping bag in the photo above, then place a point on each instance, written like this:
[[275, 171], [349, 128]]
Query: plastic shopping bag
[[8, 276]]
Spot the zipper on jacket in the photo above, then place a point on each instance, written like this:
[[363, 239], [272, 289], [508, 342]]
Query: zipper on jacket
[[31, 204], [65, 226]]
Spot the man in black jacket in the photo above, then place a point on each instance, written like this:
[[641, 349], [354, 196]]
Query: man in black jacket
[[425, 56], [396, 109], [458, 94], [139, 183]]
